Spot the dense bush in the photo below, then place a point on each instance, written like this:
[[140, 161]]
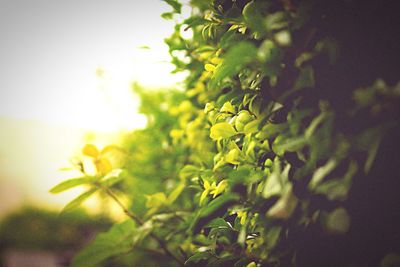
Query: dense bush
[[29, 228], [282, 150]]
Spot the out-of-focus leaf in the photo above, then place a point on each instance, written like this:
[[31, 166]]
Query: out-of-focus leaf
[[112, 148], [321, 172], [90, 150], [371, 154], [337, 189], [338, 221], [277, 182], [189, 171], [234, 60], [175, 5], [276, 21], [167, 15], [285, 206], [111, 181], [218, 223], [142, 232], [78, 200], [251, 127], [198, 257], [273, 236], [314, 124], [253, 17], [70, 184], [156, 200], [390, 260], [268, 52], [175, 193], [290, 145], [116, 241], [305, 79], [226, 260], [214, 209], [103, 166]]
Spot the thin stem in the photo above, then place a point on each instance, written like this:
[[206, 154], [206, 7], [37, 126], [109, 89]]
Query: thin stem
[[137, 220]]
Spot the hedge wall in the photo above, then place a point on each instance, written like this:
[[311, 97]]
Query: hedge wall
[[281, 151]]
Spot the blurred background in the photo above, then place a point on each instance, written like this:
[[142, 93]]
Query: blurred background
[[66, 74]]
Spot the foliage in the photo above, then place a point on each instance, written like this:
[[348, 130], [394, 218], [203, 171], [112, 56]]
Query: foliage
[[33, 228], [257, 162]]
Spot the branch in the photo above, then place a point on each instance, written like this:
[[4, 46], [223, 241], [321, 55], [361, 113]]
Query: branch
[[137, 220]]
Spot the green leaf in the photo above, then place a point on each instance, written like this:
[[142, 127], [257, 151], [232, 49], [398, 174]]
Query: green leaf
[[142, 232], [305, 79], [277, 183], [198, 257], [78, 200], [218, 203], [314, 125], [175, 5], [215, 208], [337, 189], [276, 21], [65, 185], [111, 181], [235, 59], [218, 223], [175, 193], [188, 171], [116, 241], [273, 186], [253, 17], [167, 15], [284, 207], [373, 150], [222, 130], [251, 127], [322, 172], [338, 221], [268, 52], [156, 200], [290, 145], [272, 235]]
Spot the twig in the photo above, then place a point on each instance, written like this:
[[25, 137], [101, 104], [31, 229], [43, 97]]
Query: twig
[[137, 220]]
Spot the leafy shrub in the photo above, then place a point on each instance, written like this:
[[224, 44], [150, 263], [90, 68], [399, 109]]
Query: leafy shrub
[[29, 228], [277, 152]]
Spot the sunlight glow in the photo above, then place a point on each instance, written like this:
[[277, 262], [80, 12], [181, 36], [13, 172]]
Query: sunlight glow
[[66, 69], [53, 79]]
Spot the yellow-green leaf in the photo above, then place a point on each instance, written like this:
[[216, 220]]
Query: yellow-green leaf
[[175, 193], [90, 150], [203, 196], [219, 188], [118, 240], [251, 127], [156, 200], [233, 156], [209, 67], [227, 107], [222, 130], [65, 185], [234, 60], [78, 200], [103, 166]]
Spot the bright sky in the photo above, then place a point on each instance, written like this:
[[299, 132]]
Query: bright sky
[[66, 66], [50, 51]]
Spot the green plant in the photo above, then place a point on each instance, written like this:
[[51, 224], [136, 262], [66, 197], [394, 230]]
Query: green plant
[[261, 161], [34, 228]]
